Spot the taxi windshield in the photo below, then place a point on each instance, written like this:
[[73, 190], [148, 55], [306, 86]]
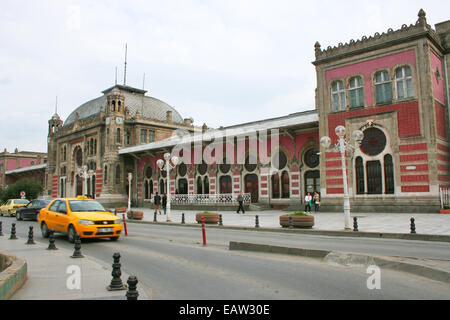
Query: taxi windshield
[[21, 201], [83, 205]]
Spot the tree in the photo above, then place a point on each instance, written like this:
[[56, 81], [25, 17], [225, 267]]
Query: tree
[[32, 188]]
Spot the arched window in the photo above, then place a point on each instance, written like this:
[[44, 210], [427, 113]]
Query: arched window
[[311, 158], [199, 185], [275, 186], [359, 169], [202, 168], [337, 95], [388, 174], [403, 83], [285, 185], [374, 182], [250, 163], [182, 186], [162, 186], [113, 104], [383, 87], [117, 174], [206, 185], [118, 138], [118, 105], [279, 160], [356, 92]]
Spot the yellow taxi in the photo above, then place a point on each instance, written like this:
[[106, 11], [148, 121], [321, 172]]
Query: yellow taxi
[[10, 206], [80, 215]]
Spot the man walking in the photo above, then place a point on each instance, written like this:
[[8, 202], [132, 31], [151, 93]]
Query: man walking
[[157, 202], [240, 199]]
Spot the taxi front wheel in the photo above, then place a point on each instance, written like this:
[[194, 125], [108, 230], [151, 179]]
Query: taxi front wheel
[[71, 234]]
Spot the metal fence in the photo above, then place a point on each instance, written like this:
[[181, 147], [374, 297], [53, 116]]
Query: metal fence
[[226, 198], [444, 193]]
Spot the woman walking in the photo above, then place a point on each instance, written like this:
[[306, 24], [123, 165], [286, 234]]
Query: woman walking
[[316, 199], [308, 200]]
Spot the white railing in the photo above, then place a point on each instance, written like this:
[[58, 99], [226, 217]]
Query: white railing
[[226, 198], [444, 193]]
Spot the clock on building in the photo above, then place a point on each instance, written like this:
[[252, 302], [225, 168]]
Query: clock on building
[[119, 120], [107, 121]]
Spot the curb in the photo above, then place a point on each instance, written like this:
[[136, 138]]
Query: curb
[[13, 277], [344, 258], [378, 235]]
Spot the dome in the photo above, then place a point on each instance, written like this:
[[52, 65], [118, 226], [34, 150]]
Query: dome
[[135, 100]]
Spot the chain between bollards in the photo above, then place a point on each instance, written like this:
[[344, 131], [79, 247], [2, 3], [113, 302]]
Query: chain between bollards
[[116, 282], [256, 221], [413, 225], [355, 224], [30, 236], [77, 251], [51, 240], [13, 232], [132, 293]]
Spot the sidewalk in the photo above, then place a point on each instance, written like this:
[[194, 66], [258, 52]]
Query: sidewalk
[[49, 272], [433, 224]]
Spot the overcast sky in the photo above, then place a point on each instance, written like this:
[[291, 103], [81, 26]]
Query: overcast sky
[[221, 62]]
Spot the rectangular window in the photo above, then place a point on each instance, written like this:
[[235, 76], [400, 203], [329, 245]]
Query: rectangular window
[[383, 88], [151, 136], [143, 136], [356, 92]]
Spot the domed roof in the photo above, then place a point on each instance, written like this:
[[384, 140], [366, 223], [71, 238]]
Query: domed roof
[[135, 100]]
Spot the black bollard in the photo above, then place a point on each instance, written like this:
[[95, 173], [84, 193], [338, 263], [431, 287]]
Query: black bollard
[[413, 225], [256, 222], [132, 293], [116, 282], [355, 224], [220, 220], [1, 232], [30, 236], [154, 217], [182, 218], [51, 240], [77, 251], [291, 223], [13, 232]]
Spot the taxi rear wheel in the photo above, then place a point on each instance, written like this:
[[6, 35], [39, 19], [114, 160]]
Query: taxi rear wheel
[[44, 230]]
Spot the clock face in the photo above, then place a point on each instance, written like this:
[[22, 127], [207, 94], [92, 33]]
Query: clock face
[[107, 121], [119, 120]]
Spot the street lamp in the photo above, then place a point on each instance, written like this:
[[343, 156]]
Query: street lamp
[[167, 166], [85, 174], [130, 177], [342, 146]]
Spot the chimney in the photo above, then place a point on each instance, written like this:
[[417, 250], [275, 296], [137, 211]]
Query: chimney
[[169, 116], [188, 121]]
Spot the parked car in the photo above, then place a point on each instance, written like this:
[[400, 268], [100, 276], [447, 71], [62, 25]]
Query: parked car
[[31, 210], [79, 215], [10, 206]]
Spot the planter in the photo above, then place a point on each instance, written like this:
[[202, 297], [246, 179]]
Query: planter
[[297, 221], [121, 210], [211, 218], [135, 215], [445, 211]]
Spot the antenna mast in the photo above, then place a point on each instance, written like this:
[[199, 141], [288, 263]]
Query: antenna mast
[[125, 68]]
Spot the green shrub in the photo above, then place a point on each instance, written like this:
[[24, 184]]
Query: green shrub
[[297, 214], [206, 212], [32, 188]]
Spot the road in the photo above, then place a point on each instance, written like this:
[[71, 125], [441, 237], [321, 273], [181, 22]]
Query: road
[[172, 262]]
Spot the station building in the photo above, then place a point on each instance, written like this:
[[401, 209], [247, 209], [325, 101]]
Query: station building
[[392, 86]]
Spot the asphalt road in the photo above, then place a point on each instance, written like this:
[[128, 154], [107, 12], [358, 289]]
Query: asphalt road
[[172, 262]]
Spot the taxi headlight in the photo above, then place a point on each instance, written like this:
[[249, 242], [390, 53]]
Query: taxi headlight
[[85, 222]]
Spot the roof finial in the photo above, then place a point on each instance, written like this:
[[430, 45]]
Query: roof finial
[[317, 48], [115, 82], [125, 68], [422, 17], [56, 105]]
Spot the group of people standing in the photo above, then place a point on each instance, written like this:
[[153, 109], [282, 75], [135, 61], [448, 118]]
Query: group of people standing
[[159, 201], [312, 199]]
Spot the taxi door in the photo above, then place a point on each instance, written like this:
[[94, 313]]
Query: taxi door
[[49, 216], [4, 207], [61, 217]]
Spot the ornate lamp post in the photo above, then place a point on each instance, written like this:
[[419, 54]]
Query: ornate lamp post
[[342, 146], [85, 174], [130, 177], [167, 166]]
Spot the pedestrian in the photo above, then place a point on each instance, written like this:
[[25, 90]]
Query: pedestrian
[[164, 203], [308, 200], [157, 202], [240, 199], [316, 199]]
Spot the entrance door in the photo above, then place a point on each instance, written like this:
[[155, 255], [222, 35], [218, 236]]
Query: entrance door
[[251, 186], [79, 186]]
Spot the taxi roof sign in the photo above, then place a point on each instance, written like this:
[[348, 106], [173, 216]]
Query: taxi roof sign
[[82, 197]]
